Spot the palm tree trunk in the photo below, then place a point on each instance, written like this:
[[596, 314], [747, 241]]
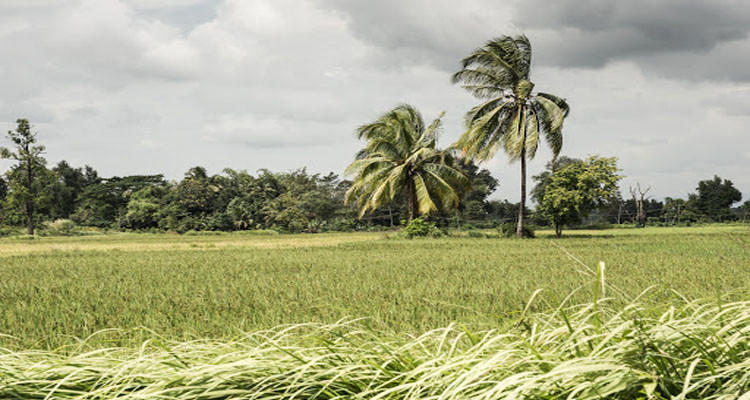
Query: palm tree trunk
[[411, 199], [519, 229]]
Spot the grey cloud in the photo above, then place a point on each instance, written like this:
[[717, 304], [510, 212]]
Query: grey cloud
[[158, 86], [435, 32], [674, 38]]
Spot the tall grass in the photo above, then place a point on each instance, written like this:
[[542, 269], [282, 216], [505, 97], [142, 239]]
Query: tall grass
[[53, 290], [693, 350]]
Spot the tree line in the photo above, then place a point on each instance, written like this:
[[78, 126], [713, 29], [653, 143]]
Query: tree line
[[569, 192], [32, 193]]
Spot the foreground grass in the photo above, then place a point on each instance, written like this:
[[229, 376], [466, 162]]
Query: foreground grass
[[54, 290], [695, 350]]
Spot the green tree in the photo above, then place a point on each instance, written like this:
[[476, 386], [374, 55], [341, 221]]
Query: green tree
[[3, 196], [474, 204], [544, 178], [504, 211], [70, 184], [24, 178], [199, 202], [250, 206], [716, 196], [144, 207], [673, 210], [401, 157], [104, 204], [575, 190], [3, 189], [512, 117], [745, 210]]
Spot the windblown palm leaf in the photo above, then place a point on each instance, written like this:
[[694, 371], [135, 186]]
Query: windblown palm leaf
[[511, 117], [401, 157]]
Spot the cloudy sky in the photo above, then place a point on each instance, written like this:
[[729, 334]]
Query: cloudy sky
[[158, 86]]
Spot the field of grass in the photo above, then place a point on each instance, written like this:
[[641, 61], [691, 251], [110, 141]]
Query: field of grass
[[54, 290], [592, 351]]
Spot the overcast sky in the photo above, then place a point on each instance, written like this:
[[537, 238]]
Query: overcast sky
[[159, 86]]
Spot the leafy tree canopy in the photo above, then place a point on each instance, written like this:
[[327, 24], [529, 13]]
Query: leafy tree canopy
[[574, 190], [716, 196], [27, 179]]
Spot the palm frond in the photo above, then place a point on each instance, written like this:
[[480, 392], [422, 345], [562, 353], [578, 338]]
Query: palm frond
[[399, 148], [443, 191], [560, 102], [424, 201], [532, 132]]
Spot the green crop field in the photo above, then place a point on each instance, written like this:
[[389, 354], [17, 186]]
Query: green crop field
[[54, 290], [233, 316]]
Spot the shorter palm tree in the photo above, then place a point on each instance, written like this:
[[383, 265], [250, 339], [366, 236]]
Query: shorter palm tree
[[401, 158]]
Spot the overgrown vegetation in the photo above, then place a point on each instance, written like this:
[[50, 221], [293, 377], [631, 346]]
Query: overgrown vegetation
[[418, 227], [696, 349]]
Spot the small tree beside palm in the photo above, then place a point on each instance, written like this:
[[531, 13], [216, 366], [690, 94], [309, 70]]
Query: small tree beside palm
[[512, 117], [401, 158]]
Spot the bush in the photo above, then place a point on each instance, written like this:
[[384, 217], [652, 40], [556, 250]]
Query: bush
[[8, 231], [482, 235], [508, 230], [418, 227], [60, 227]]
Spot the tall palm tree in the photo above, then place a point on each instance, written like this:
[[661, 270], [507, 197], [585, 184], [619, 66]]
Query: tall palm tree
[[401, 158], [512, 117]]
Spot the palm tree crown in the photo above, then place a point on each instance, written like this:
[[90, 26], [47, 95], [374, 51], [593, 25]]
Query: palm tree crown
[[401, 157], [512, 117]]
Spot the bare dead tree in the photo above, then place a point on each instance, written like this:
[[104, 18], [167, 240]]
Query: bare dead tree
[[639, 198]]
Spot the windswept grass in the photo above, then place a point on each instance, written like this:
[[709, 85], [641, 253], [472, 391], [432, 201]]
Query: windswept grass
[[694, 350]]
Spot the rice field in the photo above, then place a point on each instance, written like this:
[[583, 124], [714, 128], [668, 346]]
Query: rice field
[[57, 291], [656, 313]]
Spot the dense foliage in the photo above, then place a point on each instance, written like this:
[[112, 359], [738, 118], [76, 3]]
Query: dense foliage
[[568, 194], [295, 201], [298, 201]]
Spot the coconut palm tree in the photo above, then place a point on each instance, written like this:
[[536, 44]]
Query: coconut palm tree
[[512, 117], [401, 158]]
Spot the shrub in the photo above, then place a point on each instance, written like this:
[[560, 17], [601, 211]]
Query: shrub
[[508, 230], [418, 227], [482, 235], [8, 231], [60, 227]]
